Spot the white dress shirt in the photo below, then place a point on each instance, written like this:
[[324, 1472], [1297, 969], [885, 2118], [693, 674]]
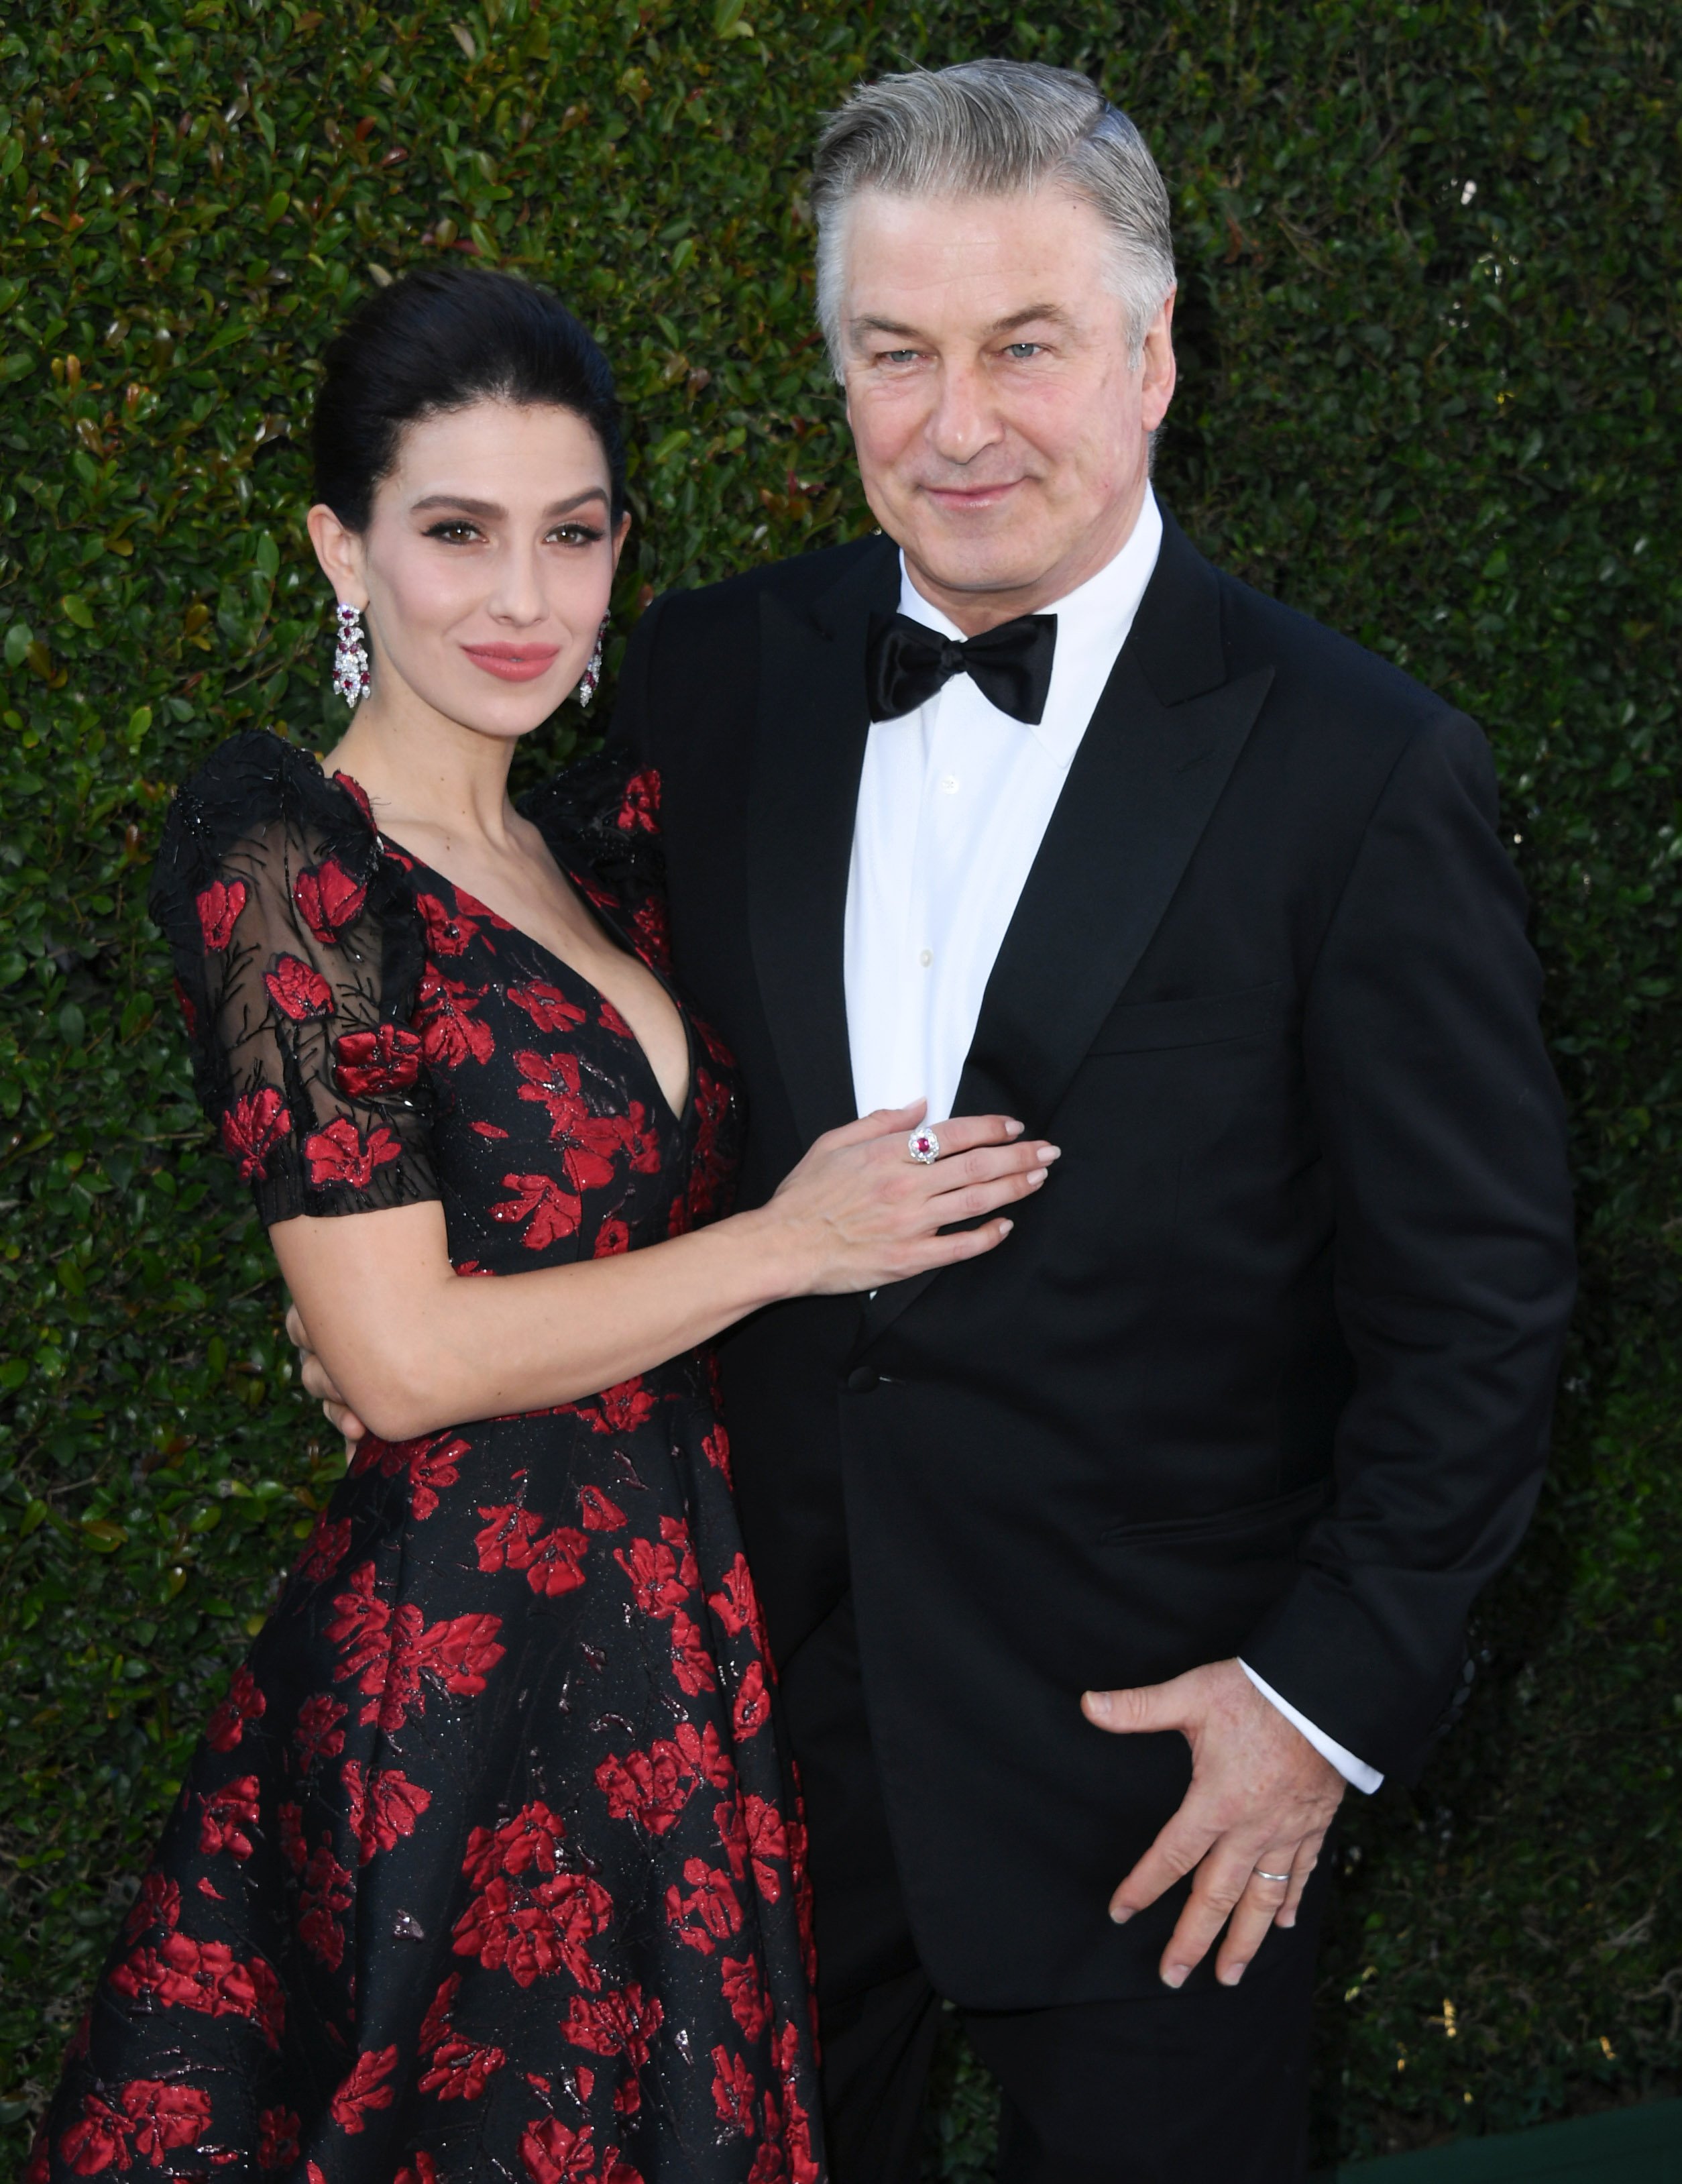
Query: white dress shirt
[[954, 802]]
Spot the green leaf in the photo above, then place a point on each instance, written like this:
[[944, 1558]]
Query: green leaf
[[74, 608], [19, 638]]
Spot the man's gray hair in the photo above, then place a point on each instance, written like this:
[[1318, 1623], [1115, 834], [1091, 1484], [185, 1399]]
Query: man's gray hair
[[992, 128]]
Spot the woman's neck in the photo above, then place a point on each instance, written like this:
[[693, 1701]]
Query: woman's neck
[[430, 774]]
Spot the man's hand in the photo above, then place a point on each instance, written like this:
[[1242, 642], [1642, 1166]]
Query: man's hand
[[318, 1382], [1260, 1801]]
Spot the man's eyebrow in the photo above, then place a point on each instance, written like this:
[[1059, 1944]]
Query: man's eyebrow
[[1027, 316], [491, 510]]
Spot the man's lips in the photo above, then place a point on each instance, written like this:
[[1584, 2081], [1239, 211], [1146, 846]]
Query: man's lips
[[959, 498], [513, 663]]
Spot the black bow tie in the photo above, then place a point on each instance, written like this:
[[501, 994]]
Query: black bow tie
[[906, 663]]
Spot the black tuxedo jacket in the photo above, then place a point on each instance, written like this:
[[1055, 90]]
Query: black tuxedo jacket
[[1266, 1367]]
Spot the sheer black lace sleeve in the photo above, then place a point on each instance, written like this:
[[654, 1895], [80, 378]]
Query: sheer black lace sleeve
[[297, 954], [600, 817]]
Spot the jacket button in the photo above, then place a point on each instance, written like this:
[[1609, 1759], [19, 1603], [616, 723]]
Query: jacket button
[[863, 1379]]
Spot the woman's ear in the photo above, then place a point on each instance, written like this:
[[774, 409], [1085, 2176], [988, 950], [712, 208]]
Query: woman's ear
[[339, 551], [621, 532]]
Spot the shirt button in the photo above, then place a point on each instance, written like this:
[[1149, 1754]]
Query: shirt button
[[863, 1379], [949, 785], [926, 957]]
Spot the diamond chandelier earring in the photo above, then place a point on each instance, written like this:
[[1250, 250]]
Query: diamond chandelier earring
[[591, 675], [350, 657]]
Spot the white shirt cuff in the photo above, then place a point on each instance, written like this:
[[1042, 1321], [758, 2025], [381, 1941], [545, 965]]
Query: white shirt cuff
[[1355, 1772]]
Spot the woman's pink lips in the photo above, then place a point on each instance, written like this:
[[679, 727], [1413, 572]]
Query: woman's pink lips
[[514, 663]]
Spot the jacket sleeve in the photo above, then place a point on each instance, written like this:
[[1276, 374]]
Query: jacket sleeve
[[1444, 1129]]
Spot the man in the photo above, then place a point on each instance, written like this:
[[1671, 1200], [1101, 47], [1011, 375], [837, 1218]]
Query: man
[[1097, 1567]]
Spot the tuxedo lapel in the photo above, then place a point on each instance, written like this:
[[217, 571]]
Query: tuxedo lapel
[[814, 720], [1162, 745]]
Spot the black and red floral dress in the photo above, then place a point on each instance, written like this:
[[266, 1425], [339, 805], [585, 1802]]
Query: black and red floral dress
[[488, 1866]]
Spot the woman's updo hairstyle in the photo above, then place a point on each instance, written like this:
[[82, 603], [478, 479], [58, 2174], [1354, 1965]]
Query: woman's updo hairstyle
[[440, 339]]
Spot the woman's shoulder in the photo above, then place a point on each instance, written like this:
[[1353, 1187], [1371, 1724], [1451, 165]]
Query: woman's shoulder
[[256, 791], [601, 815]]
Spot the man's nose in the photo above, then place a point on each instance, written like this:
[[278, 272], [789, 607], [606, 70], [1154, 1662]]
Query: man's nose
[[965, 418]]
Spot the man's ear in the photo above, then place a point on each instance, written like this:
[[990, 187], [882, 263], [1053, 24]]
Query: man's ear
[[339, 551], [1158, 371]]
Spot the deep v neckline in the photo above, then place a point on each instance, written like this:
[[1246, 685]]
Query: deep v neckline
[[677, 1115]]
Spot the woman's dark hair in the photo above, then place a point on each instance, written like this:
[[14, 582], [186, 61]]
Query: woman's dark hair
[[436, 340]]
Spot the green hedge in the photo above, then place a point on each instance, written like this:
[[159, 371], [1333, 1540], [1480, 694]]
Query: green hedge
[[1430, 316]]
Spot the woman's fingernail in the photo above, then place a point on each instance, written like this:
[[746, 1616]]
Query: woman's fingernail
[[1036, 1175], [1120, 1913], [1174, 1975], [1049, 1153], [1231, 1974], [1014, 1130]]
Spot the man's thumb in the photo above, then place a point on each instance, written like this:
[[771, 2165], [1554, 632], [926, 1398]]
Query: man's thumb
[[1150, 1707]]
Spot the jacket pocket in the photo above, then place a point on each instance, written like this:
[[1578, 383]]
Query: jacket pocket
[[1141, 1027], [1282, 1513]]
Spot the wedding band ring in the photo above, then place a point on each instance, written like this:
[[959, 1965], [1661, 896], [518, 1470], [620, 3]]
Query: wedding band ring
[[1282, 1879], [923, 1147]]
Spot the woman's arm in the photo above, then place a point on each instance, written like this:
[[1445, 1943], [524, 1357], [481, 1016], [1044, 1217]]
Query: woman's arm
[[413, 1346]]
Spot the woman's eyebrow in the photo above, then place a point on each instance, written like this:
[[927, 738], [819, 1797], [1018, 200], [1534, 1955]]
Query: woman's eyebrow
[[491, 510]]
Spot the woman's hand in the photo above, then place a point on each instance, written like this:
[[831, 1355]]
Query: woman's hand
[[859, 1212], [319, 1382]]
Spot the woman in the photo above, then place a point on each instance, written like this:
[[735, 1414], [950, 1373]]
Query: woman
[[489, 1864]]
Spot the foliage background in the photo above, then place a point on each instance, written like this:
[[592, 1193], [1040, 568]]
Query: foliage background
[[1429, 320]]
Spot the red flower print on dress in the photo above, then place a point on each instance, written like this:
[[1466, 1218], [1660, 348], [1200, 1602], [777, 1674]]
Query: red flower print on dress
[[449, 931], [642, 1142], [752, 1709], [251, 1128], [588, 1142], [461, 2071], [228, 1813], [617, 2023], [554, 2153], [530, 1842], [389, 1654], [547, 1007], [359, 796], [386, 1811], [244, 1702], [276, 2138], [324, 1898], [652, 1787], [374, 1065], [744, 1991], [189, 1013], [610, 1019], [340, 1154], [450, 1034], [708, 1171], [152, 2118], [639, 808], [651, 937], [328, 900], [531, 1930], [158, 1905], [617, 1410], [737, 1605], [294, 1848], [329, 1543], [655, 1585], [299, 990], [557, 1563], [430, 1466], [732, 2092], [504, 1542], [220, 905], [553, 1212], [612, 1237], [597, 1514], [207, 1978], [675, 1533], [716, 1447], [691, 1663], [319, 1733], [422, 2169], [710, 1913], [365, 2088]]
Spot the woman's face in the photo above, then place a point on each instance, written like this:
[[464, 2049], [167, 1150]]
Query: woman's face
[[486, 565]]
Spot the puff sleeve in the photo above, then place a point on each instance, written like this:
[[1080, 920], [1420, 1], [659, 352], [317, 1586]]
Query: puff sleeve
[[297, 954]]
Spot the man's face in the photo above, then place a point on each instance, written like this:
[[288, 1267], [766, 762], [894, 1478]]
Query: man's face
[[1002, 434]]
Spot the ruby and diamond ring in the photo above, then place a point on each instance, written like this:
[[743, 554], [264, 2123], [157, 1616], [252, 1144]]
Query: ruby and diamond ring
[[923, 1147]]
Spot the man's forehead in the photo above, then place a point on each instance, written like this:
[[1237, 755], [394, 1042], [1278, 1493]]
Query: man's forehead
[[995, 260]]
